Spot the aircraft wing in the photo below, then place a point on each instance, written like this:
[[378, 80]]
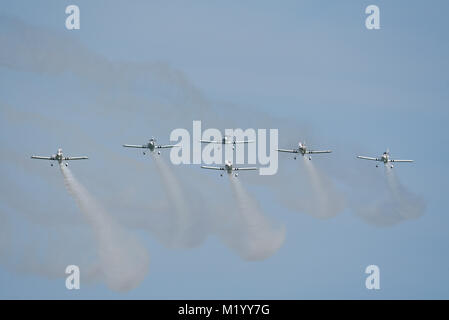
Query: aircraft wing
[[319, 151], [401, 160], [135, 146], [245, 168], [167, 146], [369, 158], [42, 158], [212, 168], [287, 150], [243, 141], [212, 141], [76, 158]]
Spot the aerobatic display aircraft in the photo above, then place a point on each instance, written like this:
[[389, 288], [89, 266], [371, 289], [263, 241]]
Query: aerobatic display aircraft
[[302, 149], [385, 158], [227, 140], [59, 157], [151, 145], [229, 168]]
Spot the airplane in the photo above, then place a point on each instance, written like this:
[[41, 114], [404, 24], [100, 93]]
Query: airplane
[[59, 157], [151, 145], [302, 149], [227, 140], [228, 167], [385, 158]]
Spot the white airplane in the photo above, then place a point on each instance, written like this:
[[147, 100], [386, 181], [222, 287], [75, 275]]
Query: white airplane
[[228, 167], [151, 145], [59, 157], [385, 158], [227, 140], [302, 149]]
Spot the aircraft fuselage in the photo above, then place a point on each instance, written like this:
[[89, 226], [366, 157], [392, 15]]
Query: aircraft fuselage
[[59, 156], [302, 149], [151, 145], [228, 167]]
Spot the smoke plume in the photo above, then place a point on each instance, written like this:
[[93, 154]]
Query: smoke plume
[[398, 205], [123, 260], [183, 223], [307, 189], [325, 200], [248, 231]]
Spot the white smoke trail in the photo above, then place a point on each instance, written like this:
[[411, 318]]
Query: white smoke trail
[[325, 200], [408, 205], [309, 191], [249, 232], [399, 204], [183, 225], [123, 260]]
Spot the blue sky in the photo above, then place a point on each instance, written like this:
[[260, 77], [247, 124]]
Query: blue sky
[[309, 68]]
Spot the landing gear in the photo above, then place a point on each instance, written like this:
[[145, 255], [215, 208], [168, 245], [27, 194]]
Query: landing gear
[[221, 174], [310, 158], [391, 166], [51, 164], [294, 158], [66, 164], [158, 152], [377, 166], [236, 175], [144, 153]]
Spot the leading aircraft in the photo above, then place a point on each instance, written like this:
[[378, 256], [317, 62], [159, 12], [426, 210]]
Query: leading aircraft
[[302, 149], [385, 158], [228, 167], [59, 157], [151, 145], [227, 140]]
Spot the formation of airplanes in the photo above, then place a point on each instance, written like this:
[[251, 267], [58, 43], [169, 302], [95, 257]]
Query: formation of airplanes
[[228, 167]]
